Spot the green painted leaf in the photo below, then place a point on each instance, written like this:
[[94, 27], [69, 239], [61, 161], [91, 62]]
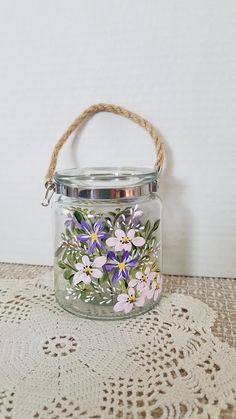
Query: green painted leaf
[[71, 259], [106, 229], [84, 294], [68, 274], [70, 280], [154, 265], [61, 264], [64, 255], [156, 225], [147, 226], [69, 233], [79, 216], [59, 251], [104, 278], [77, 231], [124, 285]]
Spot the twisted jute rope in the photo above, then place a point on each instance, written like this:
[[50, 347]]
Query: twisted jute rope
[[103, 107]]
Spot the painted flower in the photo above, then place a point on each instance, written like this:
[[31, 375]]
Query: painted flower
[[71, 222], [120, 265], [131, 217], [135, 218], [137, 214], [88, 269], [156, 288], [143, 279], [126, 302], [124, 241], [93, 235]]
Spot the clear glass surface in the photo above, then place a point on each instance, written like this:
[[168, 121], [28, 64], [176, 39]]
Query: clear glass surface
[[108, 252], [106, 177]]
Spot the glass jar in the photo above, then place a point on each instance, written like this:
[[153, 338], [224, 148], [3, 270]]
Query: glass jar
[[107, 224], [107, 241]]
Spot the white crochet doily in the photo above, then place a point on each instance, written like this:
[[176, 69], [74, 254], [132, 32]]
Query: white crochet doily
[[165, 363]]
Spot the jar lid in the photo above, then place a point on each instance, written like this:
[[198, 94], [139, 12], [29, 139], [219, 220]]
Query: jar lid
[[106, 182]]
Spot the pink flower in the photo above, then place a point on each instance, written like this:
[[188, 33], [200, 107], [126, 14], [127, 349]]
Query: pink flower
[[155, 289], [125, 241], [88, 269], [126, 302], [142, 279]]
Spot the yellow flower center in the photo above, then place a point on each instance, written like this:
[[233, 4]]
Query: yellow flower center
[[121, 266], [88, 270], [94, 237], [132, 298], [125, 240], [144, 278]]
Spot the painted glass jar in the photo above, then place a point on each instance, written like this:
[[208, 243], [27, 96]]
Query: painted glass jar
[[107, 228]]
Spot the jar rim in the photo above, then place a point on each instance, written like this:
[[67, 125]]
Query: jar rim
[[89, 175], [106, 182]]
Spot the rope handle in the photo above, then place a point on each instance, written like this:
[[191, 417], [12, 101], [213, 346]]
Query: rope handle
[[103, 107]]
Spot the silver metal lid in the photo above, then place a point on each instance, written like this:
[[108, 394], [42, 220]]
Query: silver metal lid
[[106, 182]]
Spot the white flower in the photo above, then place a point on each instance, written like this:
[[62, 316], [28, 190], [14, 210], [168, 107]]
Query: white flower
[[125, 241], [143, 279], [156, 288], [126, 302], [87, 269]]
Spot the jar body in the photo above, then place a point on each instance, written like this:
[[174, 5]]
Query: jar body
[[108, 259]]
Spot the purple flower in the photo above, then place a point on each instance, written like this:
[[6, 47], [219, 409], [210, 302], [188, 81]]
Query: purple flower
[[132, 217], [71, 222], [135, 218], [120, 265], [93, 235]]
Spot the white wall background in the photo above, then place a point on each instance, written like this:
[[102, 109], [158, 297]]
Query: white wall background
[[172, 62]]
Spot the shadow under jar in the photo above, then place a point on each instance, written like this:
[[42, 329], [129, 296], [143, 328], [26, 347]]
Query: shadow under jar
[[107, 241]]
